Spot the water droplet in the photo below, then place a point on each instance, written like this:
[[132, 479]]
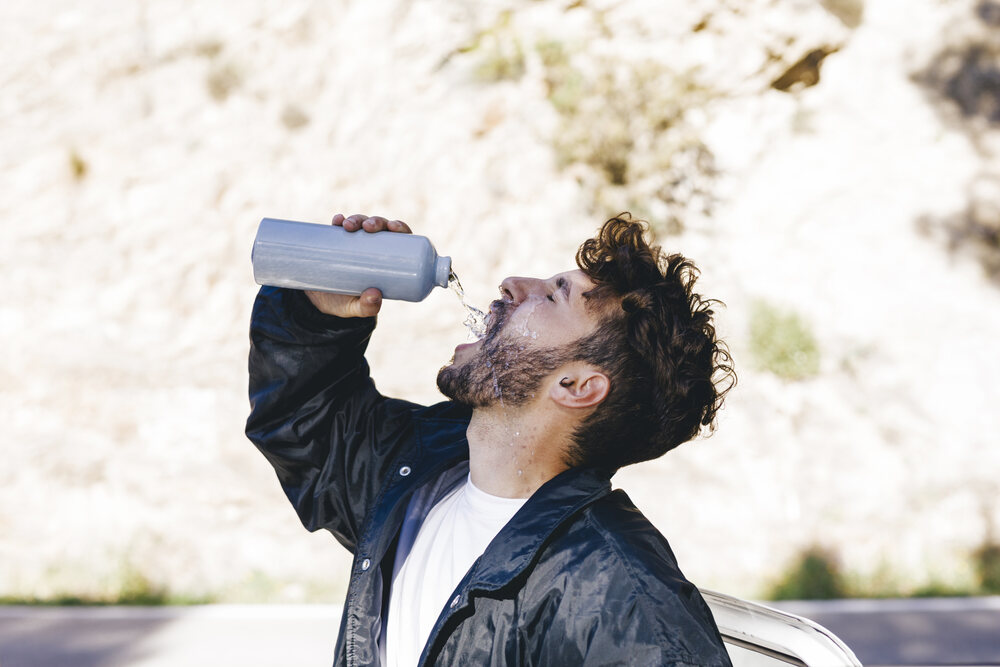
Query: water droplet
[[520, 472]]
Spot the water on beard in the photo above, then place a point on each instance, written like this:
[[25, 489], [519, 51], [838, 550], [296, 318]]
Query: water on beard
[[475, 319]]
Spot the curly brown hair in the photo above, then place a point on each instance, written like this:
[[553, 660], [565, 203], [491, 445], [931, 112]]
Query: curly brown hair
[[656, 341]]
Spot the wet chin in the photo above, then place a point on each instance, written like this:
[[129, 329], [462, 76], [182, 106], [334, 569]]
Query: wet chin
[[460, 385], [502, 373]]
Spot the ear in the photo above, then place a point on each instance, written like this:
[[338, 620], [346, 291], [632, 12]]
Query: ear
[[579, 387]]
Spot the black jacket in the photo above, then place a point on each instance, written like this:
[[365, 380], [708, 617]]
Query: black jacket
[[578, 577]]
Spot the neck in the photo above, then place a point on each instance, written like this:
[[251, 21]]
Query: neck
[[512, 452]]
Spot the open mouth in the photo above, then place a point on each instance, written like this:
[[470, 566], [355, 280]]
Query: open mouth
[[493, 322]]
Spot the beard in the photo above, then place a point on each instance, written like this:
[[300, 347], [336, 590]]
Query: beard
[[503, 370]]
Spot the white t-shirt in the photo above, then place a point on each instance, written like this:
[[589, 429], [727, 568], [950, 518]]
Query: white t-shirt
[[454, 534]]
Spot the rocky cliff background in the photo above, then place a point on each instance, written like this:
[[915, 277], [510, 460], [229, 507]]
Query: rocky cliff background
[[831, 166]]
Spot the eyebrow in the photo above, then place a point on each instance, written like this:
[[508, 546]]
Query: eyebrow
[[566, 285]]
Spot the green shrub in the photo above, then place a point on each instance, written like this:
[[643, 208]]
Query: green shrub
[[128, 585], [814, 575], [782, 343], [986, 560], [939, 589]]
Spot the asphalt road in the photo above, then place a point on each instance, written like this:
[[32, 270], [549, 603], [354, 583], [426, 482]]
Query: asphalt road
[[881, 632], [955, 631], [216, 635]]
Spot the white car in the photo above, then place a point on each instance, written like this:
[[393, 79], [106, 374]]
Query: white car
[[759, 636]]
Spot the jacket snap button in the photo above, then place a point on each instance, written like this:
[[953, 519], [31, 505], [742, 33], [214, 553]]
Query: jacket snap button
[[404, 471], [365, 564], [454, 603]]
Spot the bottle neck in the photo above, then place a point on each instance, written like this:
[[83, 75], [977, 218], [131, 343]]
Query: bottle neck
[[442, 271]]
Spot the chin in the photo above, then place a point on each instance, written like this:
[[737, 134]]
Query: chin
[[464, 382], [450, 385]]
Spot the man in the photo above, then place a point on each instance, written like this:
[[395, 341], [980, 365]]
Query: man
[[484, 528]]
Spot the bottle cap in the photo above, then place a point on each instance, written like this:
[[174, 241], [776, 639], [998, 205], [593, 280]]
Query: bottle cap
[[442, 271]]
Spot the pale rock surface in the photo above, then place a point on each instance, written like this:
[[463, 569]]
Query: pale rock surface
[[122, 379]]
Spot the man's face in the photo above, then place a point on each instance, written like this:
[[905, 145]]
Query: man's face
[[531, 332]]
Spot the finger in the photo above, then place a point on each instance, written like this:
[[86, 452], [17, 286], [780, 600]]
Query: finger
[[353, 223], [375, 224], [338, 220], [369, 303], [399, 226]]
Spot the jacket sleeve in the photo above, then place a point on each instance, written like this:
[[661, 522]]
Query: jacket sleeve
[[603, 609], [315, 413], [635, 634], [639, 639]]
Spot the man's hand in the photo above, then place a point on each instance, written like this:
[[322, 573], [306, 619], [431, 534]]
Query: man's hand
[[370, 301]]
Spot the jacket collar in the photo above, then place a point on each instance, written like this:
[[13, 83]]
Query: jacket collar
[[519, 542]]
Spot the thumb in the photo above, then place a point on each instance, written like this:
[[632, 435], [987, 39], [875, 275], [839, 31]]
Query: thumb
[[369, 303]]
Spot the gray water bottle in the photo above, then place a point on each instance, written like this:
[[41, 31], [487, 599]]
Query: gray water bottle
[[309, 256]]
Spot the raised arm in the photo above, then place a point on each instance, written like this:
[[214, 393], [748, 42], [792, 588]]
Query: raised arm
[[315, 412]]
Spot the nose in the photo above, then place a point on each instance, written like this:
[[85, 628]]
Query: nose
[[518, 289]]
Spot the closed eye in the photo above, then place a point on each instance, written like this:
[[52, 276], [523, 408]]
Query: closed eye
[[561, 284]]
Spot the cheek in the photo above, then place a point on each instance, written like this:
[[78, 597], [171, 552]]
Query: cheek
[[526, 323]]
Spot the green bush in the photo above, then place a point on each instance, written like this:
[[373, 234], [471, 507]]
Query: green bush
[[939, 589], [987, 563], [814, 575], [127, 586], [782, 343]]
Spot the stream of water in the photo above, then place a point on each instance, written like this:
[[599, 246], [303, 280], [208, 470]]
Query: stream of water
[[475, 320]]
